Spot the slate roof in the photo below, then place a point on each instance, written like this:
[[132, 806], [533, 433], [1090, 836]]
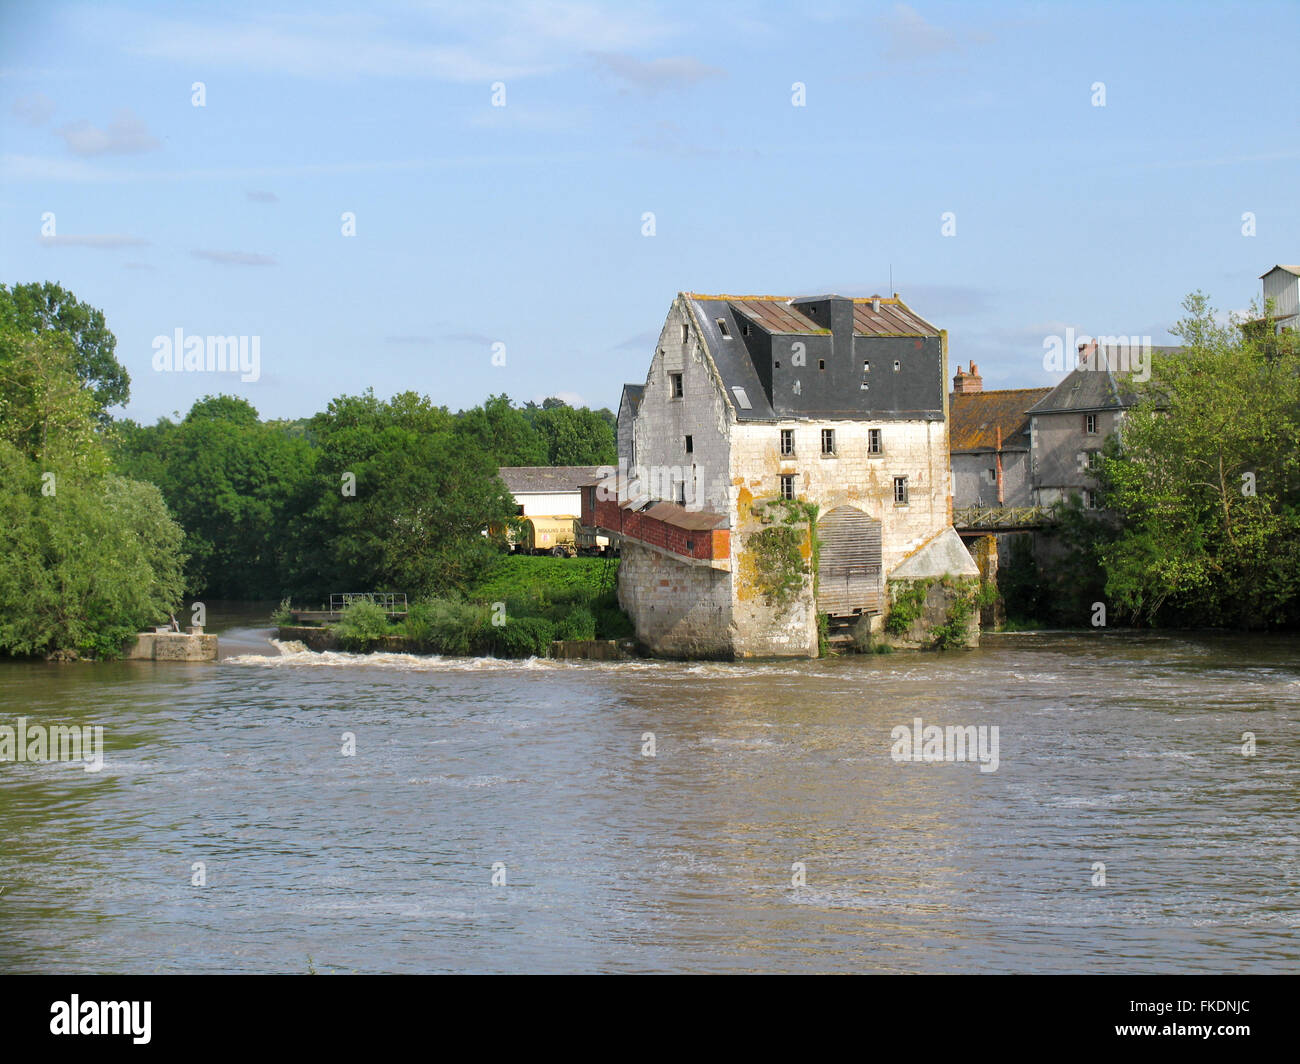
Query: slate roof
[[538, 480], [974, 419], [1289, 269], [778, 315], [633, 394], [1094, 385]]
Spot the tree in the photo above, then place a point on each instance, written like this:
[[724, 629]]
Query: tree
[[1206, 481], [399, 500], [231, 480], [574, 436], [503, 432], [44, 307]]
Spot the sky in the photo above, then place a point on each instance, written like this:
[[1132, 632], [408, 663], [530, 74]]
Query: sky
[[547, 175]]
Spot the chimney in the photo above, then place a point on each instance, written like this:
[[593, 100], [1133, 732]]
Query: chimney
[[875, 304], [967, 383]]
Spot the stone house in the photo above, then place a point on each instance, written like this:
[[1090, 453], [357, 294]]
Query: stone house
[[988, 437], [754, 406]]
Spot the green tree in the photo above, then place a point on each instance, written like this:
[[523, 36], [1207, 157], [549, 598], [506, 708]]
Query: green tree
[[232, 482], [574, 435], [399, 500], [503, 432], [44, 307], [1207, 481]]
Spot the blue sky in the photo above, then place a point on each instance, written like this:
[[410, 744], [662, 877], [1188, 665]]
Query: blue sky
[[523, 224]]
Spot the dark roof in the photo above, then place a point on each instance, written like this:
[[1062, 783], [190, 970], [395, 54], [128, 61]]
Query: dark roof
[[633, 394], [975, 418], [541, 479], [783, 316], [1095, 385], [778, 314]]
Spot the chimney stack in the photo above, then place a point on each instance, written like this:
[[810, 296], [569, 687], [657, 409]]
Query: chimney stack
[[875, 304], [967, 383]]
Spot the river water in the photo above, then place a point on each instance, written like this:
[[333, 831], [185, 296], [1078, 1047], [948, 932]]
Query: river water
[[1118, 748]]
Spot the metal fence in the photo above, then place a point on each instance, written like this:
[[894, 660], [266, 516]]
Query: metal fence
[[391, 602]]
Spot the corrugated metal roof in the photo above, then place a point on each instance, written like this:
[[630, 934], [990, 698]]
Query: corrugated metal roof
[[974, 419], [541, 479], [1289, 269], [776, 314], [680, 517]]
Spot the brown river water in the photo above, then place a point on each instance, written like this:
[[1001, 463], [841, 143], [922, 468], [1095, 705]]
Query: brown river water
[[771, 831]]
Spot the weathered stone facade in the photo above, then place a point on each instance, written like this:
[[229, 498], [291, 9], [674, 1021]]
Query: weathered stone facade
[[709, 434]]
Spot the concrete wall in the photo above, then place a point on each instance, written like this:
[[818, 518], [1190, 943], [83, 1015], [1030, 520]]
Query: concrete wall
[[1056, 442], [915, 449], [550, 503], [971, 485], [662, 423], [678, 609]]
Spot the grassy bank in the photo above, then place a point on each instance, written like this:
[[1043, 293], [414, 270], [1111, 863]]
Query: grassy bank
[[515, 610]]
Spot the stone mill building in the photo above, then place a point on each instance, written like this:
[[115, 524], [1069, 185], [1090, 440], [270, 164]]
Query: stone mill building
[[753, 408]]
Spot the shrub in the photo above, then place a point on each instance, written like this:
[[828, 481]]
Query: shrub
[[521, 637], [578, 623], [281, 615], [361, 626], [613, 623]]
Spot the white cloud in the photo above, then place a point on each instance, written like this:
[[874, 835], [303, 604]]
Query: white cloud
[[35, 108], [125, 135], [909, 36], [652, 75], [235, 258], [93, 240]]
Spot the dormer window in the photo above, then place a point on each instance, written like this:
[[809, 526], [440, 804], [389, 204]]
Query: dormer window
[[897, 365], [722, 328]]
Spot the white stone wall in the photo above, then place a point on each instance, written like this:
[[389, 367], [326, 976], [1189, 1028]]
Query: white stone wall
[[679, 610], [662, 423], [915, 449]]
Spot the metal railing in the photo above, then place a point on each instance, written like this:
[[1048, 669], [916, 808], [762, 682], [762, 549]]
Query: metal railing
[[1001, 517], [391, 602]]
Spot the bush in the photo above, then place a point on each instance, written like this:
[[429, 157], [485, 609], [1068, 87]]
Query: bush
[[523, 576], [613, 623], [578, 623], [520, 637], [361, 626], [445, 626], [281, 615]]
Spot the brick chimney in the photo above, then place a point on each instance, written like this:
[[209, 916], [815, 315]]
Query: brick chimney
[[967, 383]]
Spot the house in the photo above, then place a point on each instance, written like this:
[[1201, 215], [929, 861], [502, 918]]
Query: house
[[988, 438], [550, 497], [1068, 426], [754, 406], [1282, 287]]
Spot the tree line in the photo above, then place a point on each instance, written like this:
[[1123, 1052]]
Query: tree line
[[107, 524]]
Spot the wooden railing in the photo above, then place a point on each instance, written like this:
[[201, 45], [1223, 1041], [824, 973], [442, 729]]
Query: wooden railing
[[1001, 518]]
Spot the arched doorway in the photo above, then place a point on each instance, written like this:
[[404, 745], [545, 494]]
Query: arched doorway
[[849, 579]]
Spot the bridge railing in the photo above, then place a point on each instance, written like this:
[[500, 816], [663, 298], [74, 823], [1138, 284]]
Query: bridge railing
[[1001, 517], [392, 602]]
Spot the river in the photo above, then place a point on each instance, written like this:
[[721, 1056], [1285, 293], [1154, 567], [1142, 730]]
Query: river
[[1118, 748]]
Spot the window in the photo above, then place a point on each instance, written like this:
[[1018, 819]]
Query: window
[[866, 387], [993, 476], [874, 444], [787, 441], [745, 329], [1089, 500], [828, 441], [686, 334], [821, 363], [866, 365], [897, 365], [787, 486], [681, 493], [690, 444], [722, 328], [900, 491], [1093, 460], [1090, 424], [675, 386]]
